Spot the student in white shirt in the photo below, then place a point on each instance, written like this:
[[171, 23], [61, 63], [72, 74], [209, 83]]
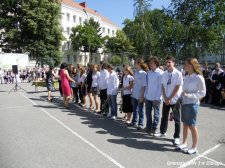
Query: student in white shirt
[[153, 95], [82, 87], [193, 90], [172, 82], [126, 92], [112, 91], [140, 83], [95, 87], [103, 83]]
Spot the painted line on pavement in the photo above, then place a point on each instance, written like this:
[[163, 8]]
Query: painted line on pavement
[[77, 135], [189, 163]]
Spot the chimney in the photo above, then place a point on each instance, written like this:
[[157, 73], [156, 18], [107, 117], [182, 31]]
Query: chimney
[[83, 4]]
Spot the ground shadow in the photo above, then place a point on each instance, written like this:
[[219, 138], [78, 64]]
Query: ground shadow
[[128, 136]]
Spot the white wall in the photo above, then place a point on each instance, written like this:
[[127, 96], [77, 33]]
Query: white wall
[[9, 59]]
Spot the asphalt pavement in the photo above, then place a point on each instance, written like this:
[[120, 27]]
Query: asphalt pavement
[[35, 133]]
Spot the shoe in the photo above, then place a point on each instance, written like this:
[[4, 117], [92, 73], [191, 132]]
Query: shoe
[[132, 125], [160, 135], [152, 132], [140, 127], [176, 141], [182, 147], [191, 151], [147, 130], [128, 122], [113, 118]]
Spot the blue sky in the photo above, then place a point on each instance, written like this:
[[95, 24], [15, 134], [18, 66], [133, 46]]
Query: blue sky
[[118, 10]]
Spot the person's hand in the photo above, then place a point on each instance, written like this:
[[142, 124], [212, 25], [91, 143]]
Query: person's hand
[[141, 100], [184, 93]]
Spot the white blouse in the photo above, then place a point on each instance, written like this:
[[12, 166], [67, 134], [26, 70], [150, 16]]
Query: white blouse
[[95, 79], [194, 86], [126, 82]]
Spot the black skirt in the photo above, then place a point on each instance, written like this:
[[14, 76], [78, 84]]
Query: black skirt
[[127, 106]]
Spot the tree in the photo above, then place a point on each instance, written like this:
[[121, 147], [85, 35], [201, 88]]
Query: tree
[[203, 22], [87, 38], [118, 44], [32, 26]]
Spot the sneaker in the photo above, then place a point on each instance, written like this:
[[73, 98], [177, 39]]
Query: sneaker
[[176, 141], [113, 118], [140, 127], [182, 147], [152, 132], [132, 125], [160, 135], [192, 151], [147, 130]]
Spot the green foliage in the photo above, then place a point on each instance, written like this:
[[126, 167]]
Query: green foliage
[[32, 26], [118, 44], [87, 38], [186, 28], [118, 60]]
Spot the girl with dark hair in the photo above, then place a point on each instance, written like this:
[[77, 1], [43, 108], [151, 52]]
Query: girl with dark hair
[[193, 90], [82, 88], [95, 87], [65, 78], [88, 83], [49, 81], [126, 93]]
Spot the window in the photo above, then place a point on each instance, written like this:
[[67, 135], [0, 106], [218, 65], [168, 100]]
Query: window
[[113, 33], [80, 20], [74, 18], [103, 30], [108, 31], [68, 17], [68, 30]]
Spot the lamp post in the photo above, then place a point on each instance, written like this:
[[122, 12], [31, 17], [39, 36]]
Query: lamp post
[[85, 11], [223, 49]]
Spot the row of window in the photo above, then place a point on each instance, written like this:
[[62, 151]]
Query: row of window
[[68, 29], [81, 21]]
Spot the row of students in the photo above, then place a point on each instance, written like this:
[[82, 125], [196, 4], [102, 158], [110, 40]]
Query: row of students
[[149, 87]]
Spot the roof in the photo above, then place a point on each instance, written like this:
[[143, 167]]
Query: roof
[[83, 6]]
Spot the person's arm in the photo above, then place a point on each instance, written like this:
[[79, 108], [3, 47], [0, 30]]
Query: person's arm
[[143, 86], [68, 77], [201, 90]]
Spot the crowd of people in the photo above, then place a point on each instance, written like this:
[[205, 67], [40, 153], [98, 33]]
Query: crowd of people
[[23, 76], [180, 93], [146, 85]]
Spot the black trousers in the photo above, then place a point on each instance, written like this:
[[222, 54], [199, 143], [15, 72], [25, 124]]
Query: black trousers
[[80, 93], [60, 89], [165, 118], [103, 98], [75, 94]]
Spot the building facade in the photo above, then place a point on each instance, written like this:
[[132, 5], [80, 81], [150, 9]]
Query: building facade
[[74, 14]]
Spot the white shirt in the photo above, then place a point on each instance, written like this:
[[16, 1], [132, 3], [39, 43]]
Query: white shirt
[[194, 86], [95, 79], [153, 90], [126, 82], [169, 81], [140, 80], [82, 78], [216, 72], [113, 84], [103, 79]]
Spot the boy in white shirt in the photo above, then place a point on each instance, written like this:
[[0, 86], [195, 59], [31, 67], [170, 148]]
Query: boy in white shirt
[[153, 95], [112, 91], [172, 82]]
